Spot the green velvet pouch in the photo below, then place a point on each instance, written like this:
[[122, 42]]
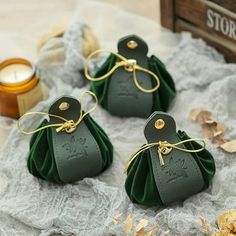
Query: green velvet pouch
[[175, 183], [119, 94], [63, 157]]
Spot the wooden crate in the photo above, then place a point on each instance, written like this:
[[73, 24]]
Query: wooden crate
[[212, 20]]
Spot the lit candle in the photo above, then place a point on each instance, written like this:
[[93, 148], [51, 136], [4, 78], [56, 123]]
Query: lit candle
[[16, 73], [20, 88]]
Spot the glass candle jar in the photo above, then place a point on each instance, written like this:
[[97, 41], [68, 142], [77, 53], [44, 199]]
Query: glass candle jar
[[20, 88]]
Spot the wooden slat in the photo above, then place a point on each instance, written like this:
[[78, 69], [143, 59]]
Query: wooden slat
[[218, 43], [208, 17], [167, 14], [228, 4], [212, 20]]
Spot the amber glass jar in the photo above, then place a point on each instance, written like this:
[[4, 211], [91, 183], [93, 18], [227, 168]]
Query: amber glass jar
[[20, 88]]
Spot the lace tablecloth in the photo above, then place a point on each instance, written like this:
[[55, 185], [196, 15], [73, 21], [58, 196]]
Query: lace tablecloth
[[29, 206]]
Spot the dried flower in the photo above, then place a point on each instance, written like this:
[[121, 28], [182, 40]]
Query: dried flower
[[226, 223], [128, 224], [142, 224], [229, 146], [212, 129], [206, 228], [140, 229], [116, 218]]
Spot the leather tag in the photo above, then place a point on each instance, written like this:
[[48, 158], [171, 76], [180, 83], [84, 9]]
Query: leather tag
[[124, 98], [180, 177], [77, 154]]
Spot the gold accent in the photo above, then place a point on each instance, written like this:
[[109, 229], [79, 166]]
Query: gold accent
[[159, 124], [128, 64], [164, 148], [68, 125], [64, 106], [132, 44]]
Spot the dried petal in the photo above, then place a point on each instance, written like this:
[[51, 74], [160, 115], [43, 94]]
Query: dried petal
[[116, 218], [219, 141], [221, 127], [152, 231], [217, 133], [128, 224], [226, 221], [194, 113], [200, 115], [142, 224], [141, 232], [209, 121], [234, 227], [206, 228], [149, 233], [209, 130], [229, 227], [212, 129], [222, 234], [229, 146]]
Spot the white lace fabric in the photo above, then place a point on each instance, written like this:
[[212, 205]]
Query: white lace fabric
[[31, 206]]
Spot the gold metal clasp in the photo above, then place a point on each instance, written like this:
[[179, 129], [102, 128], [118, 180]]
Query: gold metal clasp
[[159, 124], [132, 44], [69, 126], [64, 106], [164, 148], [130, 65]]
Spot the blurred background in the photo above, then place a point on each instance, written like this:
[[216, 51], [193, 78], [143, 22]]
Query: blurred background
[[24, 22]]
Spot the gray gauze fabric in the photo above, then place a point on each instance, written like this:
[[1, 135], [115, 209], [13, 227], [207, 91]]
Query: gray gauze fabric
[[62, 59], [30, 206]]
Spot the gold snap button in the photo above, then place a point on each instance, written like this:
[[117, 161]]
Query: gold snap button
[[132, 44], [159, 124], [64, 106]]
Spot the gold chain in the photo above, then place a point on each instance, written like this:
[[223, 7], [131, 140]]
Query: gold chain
[[129, 65], [67, 125], [164, 148]]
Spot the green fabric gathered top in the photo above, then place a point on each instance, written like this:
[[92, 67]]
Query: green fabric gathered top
[[118, 91], [67, 157], [142, 187]]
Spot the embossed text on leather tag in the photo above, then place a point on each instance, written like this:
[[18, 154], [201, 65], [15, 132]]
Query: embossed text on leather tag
[[124, 98], [180, 176], [77, 154]]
